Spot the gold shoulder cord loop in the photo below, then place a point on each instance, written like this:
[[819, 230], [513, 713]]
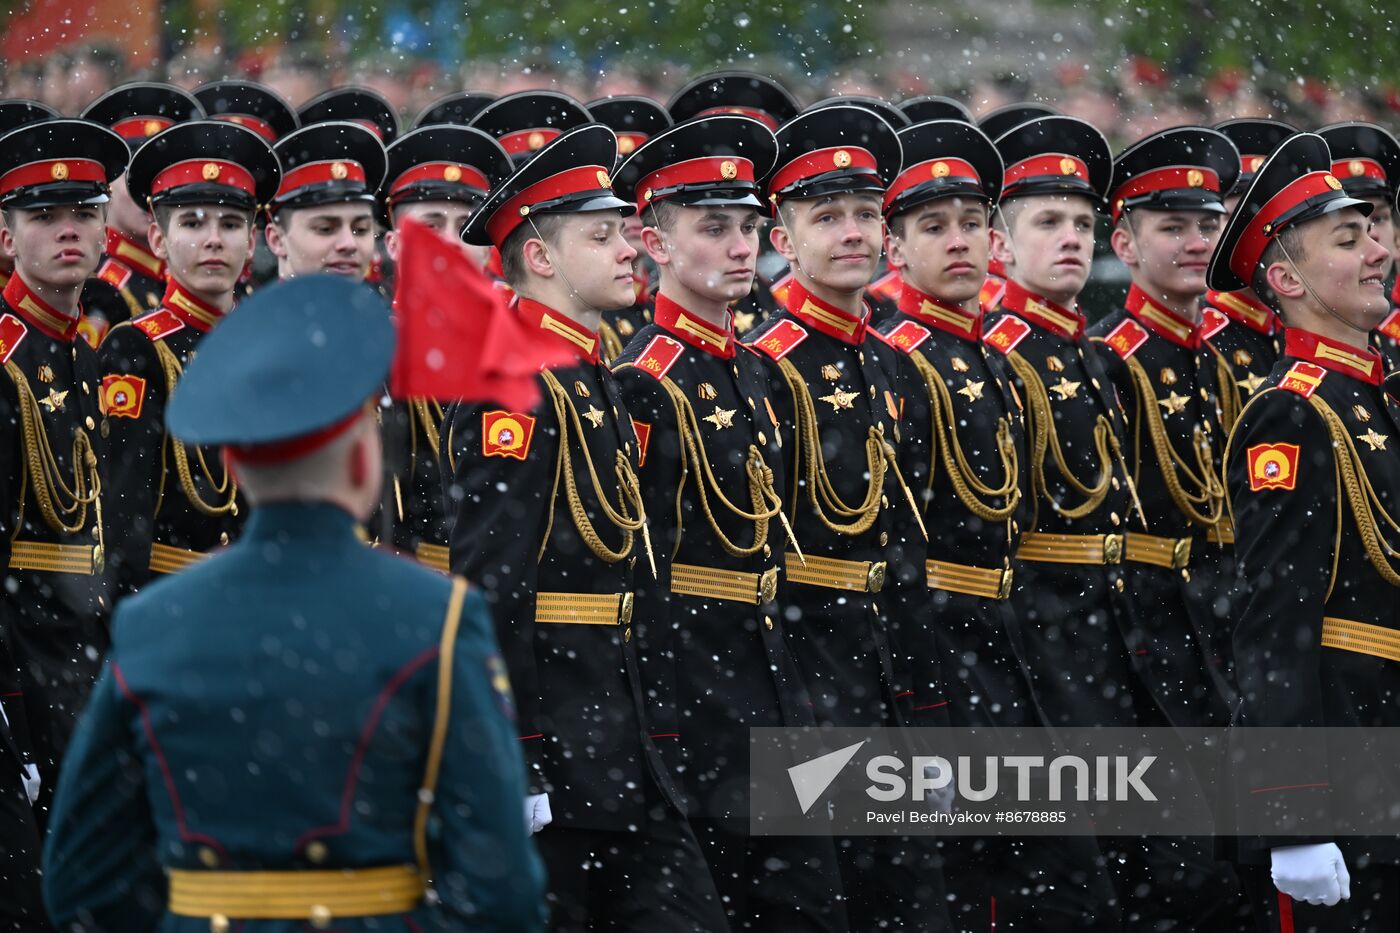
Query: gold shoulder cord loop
[[1231, 398], [67, 516], [966, 484], [1361, 496], [227, 486], [611, 343], [1206, 505], [629, 517]]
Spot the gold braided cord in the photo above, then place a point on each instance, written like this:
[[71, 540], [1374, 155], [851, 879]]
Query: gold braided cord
[[611, 344], [1361, 496], [1230, 394], [68, 515], [1044, 436], [812, 465], [1208, 486], [629, 517], [226, 487], [966, 484], [763, 498], [428, 416]]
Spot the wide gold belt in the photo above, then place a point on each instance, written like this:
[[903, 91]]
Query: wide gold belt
[[1223, 533], [1361, 637], [985, 582], [584, 608], [1171, 553], [317, 896], [731, 585], [435, 556], [168, 559], [85, 559], [860, 576], [1070, 549]]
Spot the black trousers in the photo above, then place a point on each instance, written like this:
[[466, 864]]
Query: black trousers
[[652, 880], [788, 883], [1019, 885], [1172, 883], [1374, 906], [21, 900], [893, 883]]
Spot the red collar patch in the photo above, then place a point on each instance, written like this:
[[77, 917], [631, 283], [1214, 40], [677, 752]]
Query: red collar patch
[[196, 313], [40, 313], [1363, 364], [1391, 325], [1042, 312], [825, 318], [1213, 321], [546, 318], [12, 331], [943, 315], [693, 330], [1165, 324], [1246, 309]]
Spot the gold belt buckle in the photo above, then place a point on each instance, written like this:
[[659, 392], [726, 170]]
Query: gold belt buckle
[[1181, 553], [768, 585], [624, 615], [875, 577], [1112, 549]]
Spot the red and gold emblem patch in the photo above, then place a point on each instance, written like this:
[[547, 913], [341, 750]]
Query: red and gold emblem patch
[[506, 434], [1273, 466], [1303, 378], [781, 338], [114, 274], [907, 336], [123, 395], [159, 324], [1126, 338], [1008, 332], [659, 356]]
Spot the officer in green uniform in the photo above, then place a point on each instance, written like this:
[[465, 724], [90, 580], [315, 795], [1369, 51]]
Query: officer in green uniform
[[301, 731]]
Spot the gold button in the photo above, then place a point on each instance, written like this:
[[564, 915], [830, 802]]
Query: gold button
[[1094, 382], [89, 422], [233, 509], [885, 501], [884, 538], [627, 634], [320, 916], [762, 439], [85, 388], [316, 851], [1115, 482], [218, 923], [768, 621], [1118, 584], [1113, 517], [208, 857], [767, 551], [223, 539]]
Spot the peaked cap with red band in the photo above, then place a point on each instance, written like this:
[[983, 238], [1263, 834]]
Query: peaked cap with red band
[[291, 371], [834, 150], [526, 122], [329, 163], [442, 163], [53, 162], [996, 123], [16, 113], [1182, 168], [943, 158], [933, 107], [883, 109], [1054, 155], [141, 109], [249, 104], [1256, 139], [1293, 186], [709, 160], [1365, 159], [741, 93], [633, 119], [571, 175], [207, 162], [353, 105]]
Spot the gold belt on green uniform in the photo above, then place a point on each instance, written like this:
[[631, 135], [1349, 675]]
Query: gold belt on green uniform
[[731, 585], [860, 576], [584, 608], [320, 896], [1171, 553], [985, 582], [85, 559], [1361, 638], [1070, 549]]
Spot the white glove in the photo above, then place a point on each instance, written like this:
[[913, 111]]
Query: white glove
[[1314, 874], [537, 815]]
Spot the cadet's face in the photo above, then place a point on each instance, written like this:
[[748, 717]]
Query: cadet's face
[[712, 251], [834, 240], [126, 215], [1052, 245], [1168, 251], [1382, 229], [205, 247], [334, 238], [595, 259], [58, 247], [632, 232], [1345, 266], [445, 218], [944, 248]]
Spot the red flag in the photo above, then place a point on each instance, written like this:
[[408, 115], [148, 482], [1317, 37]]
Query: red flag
[[458, 341]]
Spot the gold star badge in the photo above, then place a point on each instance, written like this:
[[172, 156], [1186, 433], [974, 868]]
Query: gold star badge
[[840, 399], [1173, 403], [706, 392], [1053, 364], [973, 390], [722, 418], [830, 373], [959, 364], [1168, 376], [1252, 383], [1373, 438], [743, 322], [45, 372], [54, 400], [594, 416], [1361, 414], [1065, 388]]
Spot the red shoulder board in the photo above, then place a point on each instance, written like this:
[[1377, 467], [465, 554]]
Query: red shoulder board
[[659, 356], [1126, 338], [1391, 325], [989, 295], [159, 324], [888, 286], [1008, 332], [1212, 323], [114, 273], [12, 331], [907, 336], [779, 290], [122, 395], [643, 432], [1273, 466], [1303, 378], [781, 338], [506, 434]]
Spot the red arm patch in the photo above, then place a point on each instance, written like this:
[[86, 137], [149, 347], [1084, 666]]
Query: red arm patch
[[1303, 378], [506, 434], [1212, 323], [159, 324], [114, 274], [906, 337], [1008, 332], [122, 395], [643, 432], [779, 290], [781, 338], [12, 331], [659, 356], [1126, 338], [1273, 466]]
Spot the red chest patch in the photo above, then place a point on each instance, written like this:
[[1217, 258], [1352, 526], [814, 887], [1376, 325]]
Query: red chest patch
[[1126, 338], [159, 324], [1008, 332], [907, 336], [781, 338], [1303, 378], [659, 356], [12, 331]]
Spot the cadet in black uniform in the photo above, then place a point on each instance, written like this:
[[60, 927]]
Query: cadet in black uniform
[[523, 123], [438, 176], [169, 504], [15, 113], [699, 402], [549, 517], [1313, 482], [131, 279]]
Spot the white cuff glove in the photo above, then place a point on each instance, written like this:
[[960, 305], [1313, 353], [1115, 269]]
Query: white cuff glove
[[537, 815], [32, 782], [1313, 874]]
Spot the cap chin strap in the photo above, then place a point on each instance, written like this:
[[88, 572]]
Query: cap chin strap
[[1005, 229], [560, 269], [787, 228], [1308, 286]]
